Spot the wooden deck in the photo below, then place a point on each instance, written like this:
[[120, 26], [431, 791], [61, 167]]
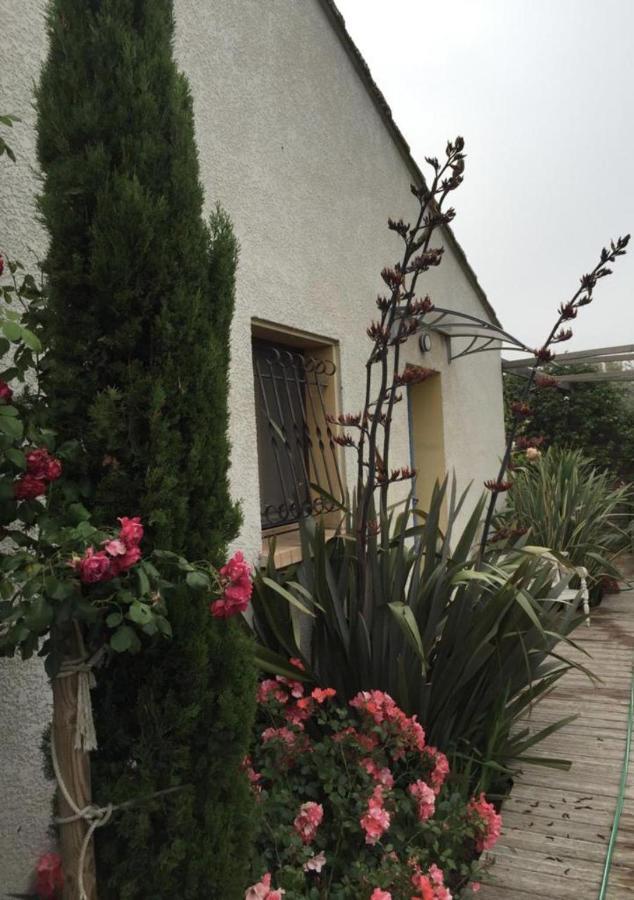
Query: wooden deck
[[556, 825]]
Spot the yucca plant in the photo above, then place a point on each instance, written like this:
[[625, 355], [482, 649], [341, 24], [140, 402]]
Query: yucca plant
[[567, 503]]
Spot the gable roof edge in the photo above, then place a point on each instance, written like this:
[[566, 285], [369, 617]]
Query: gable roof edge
[[384, 110]]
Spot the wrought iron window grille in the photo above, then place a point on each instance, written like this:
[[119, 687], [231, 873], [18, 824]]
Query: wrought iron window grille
[[296, 449]]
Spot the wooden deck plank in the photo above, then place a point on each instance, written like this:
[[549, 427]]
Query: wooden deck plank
[[556, 824]]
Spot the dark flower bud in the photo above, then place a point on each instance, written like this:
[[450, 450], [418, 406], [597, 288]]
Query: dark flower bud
[[400, 227], [521, 410], [392, 277], [344, 440], [383, 303], [421, 306], [499, 487], [588, 281], [433, 162], [564, 334], [568, 310], [545, 381], [544, 355], [378, 333]]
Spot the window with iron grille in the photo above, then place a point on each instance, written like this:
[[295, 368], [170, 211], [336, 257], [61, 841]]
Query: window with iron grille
[[296, 451]]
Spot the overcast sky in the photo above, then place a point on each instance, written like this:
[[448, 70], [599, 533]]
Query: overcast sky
[[543, 93]]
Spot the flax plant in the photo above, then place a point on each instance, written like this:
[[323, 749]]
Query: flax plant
[[396, 602]]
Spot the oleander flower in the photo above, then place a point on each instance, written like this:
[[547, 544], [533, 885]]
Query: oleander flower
[[49, 876], [378, 894], [5, 391]]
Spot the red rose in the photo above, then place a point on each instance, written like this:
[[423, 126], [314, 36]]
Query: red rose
[[49, 877], [131, 531], [28, 487], [41, 464], [235, 577], [5, 391], [94, 566]]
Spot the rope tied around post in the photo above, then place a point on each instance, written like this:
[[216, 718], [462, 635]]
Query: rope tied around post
[[85, 734]]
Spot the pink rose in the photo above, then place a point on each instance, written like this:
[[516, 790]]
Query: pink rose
[[425, 798], [130, 558], [262, 890], [235, 578], [5, 391], [376, 821], [131, 531], [49, 876], [94, 566], [308, 820], [28, 487], [115, 547], [315, 863]]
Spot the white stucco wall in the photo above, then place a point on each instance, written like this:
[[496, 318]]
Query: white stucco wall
[[293, 146]]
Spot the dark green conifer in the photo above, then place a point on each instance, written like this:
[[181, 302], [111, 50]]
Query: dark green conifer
[[141, 298]]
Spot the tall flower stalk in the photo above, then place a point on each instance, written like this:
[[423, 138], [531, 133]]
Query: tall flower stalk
[[559, 333], [401, 314]]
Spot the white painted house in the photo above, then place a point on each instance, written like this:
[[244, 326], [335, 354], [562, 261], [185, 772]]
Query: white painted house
[[297, 143]]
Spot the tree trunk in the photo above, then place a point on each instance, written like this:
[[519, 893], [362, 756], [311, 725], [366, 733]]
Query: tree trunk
[[74, 766]]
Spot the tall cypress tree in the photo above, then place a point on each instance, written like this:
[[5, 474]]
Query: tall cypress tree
[[141, 298]]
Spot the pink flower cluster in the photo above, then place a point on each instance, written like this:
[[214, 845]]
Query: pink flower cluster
[[237, 587], [289, 693], [118, 554], [49, 877], [262, 890], [378, 894], [308, 820], [424, 797], [41, 469], [384, 711], [376, 820], [430, 886], [382, 776], [487, 821]]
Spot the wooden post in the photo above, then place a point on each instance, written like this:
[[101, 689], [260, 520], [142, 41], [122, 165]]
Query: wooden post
[[74, 766]]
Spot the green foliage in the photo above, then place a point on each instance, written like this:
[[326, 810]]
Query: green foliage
[[596, 418], [571, 506], [338, 761], [141, 296], [465, 647]]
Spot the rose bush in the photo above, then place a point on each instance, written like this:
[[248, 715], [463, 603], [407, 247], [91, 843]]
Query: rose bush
[[354, 803], [58, 571]]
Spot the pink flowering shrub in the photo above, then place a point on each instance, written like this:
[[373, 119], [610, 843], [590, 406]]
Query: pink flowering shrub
[[354, 803]]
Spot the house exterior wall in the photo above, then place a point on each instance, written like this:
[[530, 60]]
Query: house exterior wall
[[293, 146]]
